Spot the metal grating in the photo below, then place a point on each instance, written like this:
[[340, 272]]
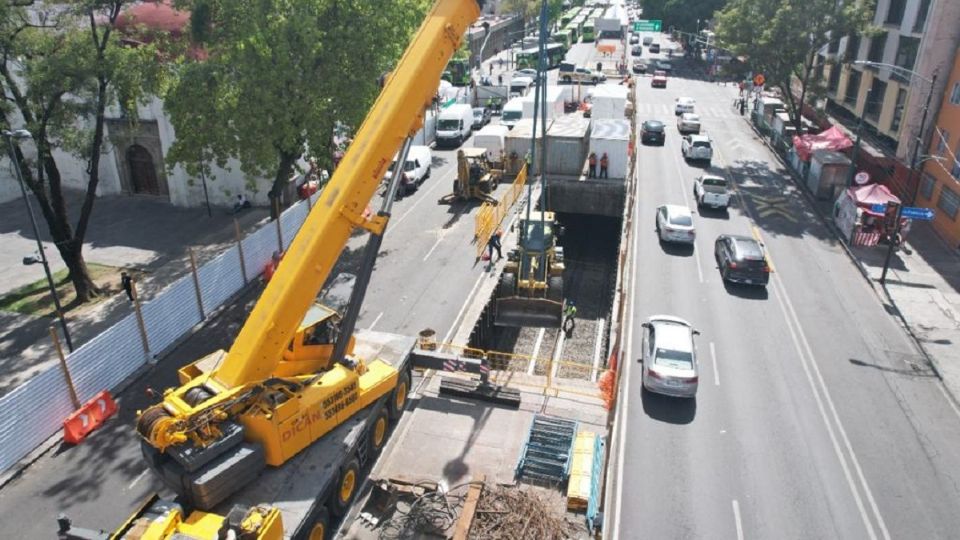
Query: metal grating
[[172, 313], [547, 453], [30, 413], [220, 279], [106, 360]]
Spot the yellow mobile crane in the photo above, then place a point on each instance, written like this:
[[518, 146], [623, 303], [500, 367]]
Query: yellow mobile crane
[[280, 387]]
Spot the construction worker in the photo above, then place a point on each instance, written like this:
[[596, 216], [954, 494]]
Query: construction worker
[[569, 313], [604, 163], [494, 244], [592, 161]]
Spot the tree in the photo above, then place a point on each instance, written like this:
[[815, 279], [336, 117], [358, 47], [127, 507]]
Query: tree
[[279, 77], [781, 38], [62, 67], [530, 9], [682, 14]]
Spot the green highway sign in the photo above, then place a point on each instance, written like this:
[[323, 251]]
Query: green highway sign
[[647, 25]]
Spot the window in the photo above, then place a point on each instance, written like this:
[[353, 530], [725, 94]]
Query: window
[[853, 47], [942, 141], [906, 54], [949, 202], [874, 99], [921, 16], [927, 184], [834, 81], [853, 88], [877, 44], [955, 170], [833, 47], [895, 12], [898, 109], [955, 94]]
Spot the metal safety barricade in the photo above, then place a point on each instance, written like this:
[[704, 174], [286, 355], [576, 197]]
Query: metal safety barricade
[[490, 216]]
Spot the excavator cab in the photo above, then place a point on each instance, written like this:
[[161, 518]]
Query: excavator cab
[[476, 177], [530, 292]]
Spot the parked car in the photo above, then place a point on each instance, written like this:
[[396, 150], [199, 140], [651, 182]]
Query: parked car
[[526, 72], [639, 67], [636, 50], [711, 190], [654, 47], [659, 79], [741, 259], [663, 65], [697, 148], [653, 131], [583, 75], [684, 105], [416, 169], [688, 123], [481, 117], [670, 357], [675, 224]]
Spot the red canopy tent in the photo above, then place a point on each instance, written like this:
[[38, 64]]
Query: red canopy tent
[[831, 139], [867, 196]]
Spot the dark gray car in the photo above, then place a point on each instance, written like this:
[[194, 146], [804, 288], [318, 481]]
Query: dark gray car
[[741, 259]]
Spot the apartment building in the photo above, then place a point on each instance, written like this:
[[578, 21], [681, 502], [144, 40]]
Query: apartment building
[[940, 179], [916, 35]]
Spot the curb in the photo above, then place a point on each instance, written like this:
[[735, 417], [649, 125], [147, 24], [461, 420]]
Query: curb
[[931, 359]]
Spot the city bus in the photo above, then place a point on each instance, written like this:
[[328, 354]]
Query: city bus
[[564, 37], [569, 16], [457, 72], [588, 29], [574, 32], [528, 58]]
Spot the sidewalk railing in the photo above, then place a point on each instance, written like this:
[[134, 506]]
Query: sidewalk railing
[[34, 411], [490, 216]]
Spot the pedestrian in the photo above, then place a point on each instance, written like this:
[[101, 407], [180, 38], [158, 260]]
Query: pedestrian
[[127, 283], [592, 161], [500, 76], [491, 68], [501, 63], [241, 203], [570, 314], [494, 245], [599, 66], [604, 163]]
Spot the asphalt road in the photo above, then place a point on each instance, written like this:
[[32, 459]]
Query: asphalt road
[[816, 417], [424, 274]]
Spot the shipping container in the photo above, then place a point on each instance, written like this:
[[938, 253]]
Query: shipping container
[[554, 103], [567, 142], [608, 101], [611, 135], [518, 144], [492, 138]]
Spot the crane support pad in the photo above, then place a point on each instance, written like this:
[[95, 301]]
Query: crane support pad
[[442, 361], [193, 457], [480, 391]]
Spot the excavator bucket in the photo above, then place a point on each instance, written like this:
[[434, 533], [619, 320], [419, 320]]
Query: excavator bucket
[[533, 312]]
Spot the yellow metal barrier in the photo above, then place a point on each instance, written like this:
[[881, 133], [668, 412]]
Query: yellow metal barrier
[[490, 216]]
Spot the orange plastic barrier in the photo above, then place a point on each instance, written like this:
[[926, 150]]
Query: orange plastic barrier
[[88, 417]]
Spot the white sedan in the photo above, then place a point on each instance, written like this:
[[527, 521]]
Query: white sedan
[[675, 224], [688, 123]]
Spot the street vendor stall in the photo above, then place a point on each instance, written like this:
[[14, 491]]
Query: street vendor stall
[[856, 215]]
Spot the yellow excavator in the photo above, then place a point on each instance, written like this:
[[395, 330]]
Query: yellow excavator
[[530, 291], [476, 177], [293, 375]]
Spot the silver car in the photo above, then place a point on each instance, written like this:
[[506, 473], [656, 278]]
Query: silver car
[[675, 224], [688, 123], [670, 357]]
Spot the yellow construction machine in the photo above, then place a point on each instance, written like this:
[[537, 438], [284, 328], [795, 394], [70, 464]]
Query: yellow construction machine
[[530, 291], [291, 377], [476, 177]]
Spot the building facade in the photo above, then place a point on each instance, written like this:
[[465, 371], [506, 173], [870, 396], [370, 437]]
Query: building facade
[[916, 35], [940, 179]]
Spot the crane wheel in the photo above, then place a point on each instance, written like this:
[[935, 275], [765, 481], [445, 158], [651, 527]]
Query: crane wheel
[[507, 286], [346, 489], [377, 437], [321, 526], [398, 398]]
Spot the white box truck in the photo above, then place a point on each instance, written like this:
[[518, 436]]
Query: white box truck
[[611, 136], [492, 138], [554, 103], [454, 125], [518, 144], [512, 113], [608, 101]]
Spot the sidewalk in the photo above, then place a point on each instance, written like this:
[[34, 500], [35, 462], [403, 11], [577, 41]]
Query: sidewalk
[[147, 234]]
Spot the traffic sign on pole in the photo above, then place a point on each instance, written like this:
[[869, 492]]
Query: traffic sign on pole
[[647, 25], [759, 79], [917, 213]]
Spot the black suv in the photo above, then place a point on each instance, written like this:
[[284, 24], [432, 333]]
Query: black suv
[[741, 259], [637, 50], [653, 131]]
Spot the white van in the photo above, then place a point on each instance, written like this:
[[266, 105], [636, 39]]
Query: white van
[[519, 86], [454, 125], [417, 166], [492, 138], [512, 112]]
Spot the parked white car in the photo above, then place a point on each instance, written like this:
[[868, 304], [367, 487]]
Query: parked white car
[[675, 224], [697, 148], [711, 190], [670, 357], [688, 123], [684, 105], [417, 166]]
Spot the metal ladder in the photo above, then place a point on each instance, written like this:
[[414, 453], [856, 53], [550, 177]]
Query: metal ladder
[[547, 452]]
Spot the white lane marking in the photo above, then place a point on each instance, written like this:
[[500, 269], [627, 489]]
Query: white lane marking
[[696, 257], [137, 479], [596, 349], [811, 368], [445, 181], [716, 372], [536, 351], [435, 244], [736, 519], [558, 353], [375, 321], [947, 397]]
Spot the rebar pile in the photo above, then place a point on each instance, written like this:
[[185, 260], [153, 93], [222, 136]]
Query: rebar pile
[[432, 514], [518, 514]]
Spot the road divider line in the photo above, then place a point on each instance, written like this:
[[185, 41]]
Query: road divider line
[[947, 396], [597, 349], [440, 236], [696, 257], [716, 372], [767, 258], [137, 479], [375, 321], [736, 519], [445, 181], [531, 367]]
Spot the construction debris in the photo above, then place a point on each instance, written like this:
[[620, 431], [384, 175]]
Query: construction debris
[[520, 514]]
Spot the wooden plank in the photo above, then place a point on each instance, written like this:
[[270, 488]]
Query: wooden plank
[[469, 509]]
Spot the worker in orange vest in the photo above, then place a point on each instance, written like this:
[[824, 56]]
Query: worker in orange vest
[[593, 165], [604, 162]]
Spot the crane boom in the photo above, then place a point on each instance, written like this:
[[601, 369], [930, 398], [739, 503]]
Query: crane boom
[[397, 113]]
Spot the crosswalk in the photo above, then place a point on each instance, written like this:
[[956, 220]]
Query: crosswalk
[[664, 110]]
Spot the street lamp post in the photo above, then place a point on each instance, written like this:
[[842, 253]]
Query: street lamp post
[[856, 145], [913, 159], [42, 257]]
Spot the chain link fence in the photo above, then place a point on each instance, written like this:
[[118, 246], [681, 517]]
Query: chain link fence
[[33, 412]]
